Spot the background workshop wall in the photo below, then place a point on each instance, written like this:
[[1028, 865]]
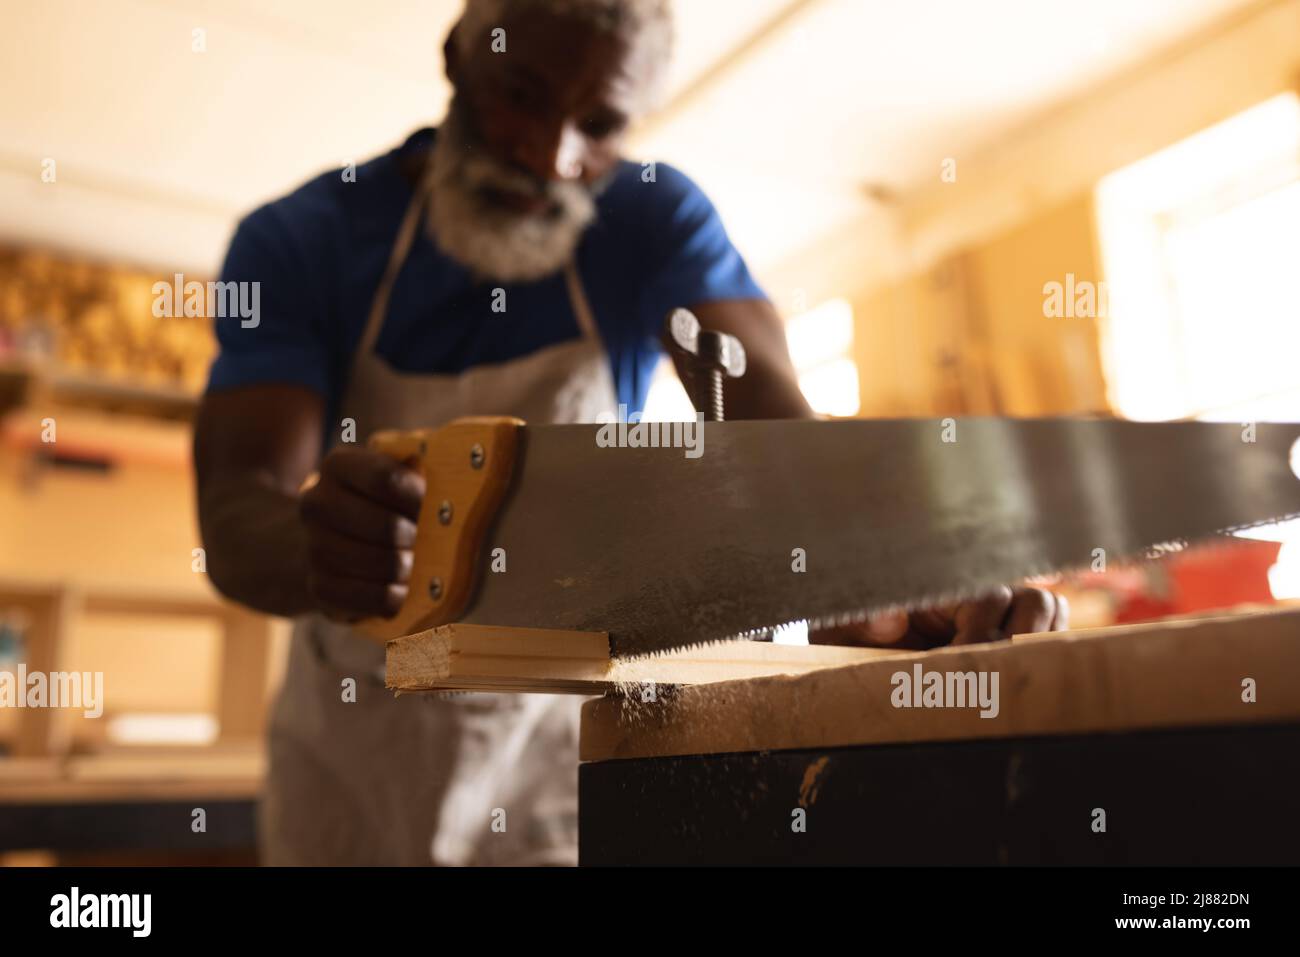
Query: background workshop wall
[[904, 179], [944, 263]]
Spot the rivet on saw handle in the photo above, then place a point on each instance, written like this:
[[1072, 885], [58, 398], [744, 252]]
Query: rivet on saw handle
[[467, 466]]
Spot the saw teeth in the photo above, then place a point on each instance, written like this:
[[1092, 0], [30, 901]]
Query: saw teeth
[[859, 615]]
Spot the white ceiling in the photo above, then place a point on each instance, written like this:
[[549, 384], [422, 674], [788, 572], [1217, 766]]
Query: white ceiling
[[782, 109]]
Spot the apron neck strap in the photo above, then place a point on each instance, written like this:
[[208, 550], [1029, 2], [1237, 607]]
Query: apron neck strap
[[578, 300], [396, 259]]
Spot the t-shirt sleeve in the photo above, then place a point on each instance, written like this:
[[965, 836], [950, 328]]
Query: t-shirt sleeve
[[285, 342], [699, 263]]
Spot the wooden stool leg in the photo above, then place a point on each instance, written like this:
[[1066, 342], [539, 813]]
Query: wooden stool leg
[[45, 731], [245, 662]]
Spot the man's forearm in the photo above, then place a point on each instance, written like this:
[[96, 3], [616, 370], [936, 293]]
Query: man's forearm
[[256, 544]]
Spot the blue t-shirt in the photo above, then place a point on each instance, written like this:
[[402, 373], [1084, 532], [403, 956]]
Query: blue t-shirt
[[320, 251]]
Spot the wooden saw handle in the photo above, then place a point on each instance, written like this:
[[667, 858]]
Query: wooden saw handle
[[467, 466]]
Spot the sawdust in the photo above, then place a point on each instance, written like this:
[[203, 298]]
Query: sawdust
[[641, 699], [626, 672], [643, 705]]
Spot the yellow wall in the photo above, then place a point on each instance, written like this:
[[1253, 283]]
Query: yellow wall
[[1038, 365], [968, 335]]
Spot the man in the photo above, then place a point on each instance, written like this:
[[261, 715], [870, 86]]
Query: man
[[382, 308]]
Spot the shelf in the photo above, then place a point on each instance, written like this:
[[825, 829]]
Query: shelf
[[21, 381]]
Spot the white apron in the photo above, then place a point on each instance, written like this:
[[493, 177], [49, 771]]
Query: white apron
[[458, 779]]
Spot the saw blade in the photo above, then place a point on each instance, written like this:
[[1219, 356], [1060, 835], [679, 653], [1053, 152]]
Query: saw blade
[[782, 521]]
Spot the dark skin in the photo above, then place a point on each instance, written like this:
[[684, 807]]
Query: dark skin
[[555, 107]]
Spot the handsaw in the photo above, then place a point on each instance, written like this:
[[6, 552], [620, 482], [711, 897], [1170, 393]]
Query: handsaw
[[776, 522]]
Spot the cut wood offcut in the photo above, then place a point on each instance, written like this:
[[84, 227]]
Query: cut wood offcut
[[484, 658]]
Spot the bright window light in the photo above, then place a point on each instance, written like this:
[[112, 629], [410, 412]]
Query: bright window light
[[667, 400], [831, 388], [1200, 243], [820, 335], [1284, 577], [1233, 289], [163, 729], [821, 348]]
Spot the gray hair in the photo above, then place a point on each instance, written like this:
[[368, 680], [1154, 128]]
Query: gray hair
[[645, 26]]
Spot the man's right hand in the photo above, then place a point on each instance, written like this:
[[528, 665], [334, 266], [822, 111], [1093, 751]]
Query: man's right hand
[[360, 518]]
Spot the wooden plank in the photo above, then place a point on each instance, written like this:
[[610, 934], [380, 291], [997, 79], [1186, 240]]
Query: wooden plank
[[462, 657], [1162, 675]]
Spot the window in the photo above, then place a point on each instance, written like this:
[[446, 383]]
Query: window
[[1201, 246]]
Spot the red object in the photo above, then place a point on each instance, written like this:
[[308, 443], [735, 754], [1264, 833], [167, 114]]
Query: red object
[[1218, 576], [1213, 576]]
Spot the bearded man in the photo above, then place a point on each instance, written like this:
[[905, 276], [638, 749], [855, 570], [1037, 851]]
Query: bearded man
[[509, 262]]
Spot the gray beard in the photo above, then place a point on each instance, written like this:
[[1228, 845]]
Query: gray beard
[[491, 242]]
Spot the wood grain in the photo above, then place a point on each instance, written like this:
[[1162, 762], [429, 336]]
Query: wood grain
[[462, 657], [1160, 675]]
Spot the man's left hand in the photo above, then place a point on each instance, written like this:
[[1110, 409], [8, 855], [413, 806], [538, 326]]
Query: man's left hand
[[1003, 612]]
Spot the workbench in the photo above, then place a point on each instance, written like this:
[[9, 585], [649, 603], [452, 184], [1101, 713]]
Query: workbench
[[129, 806], [1168, 743]]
